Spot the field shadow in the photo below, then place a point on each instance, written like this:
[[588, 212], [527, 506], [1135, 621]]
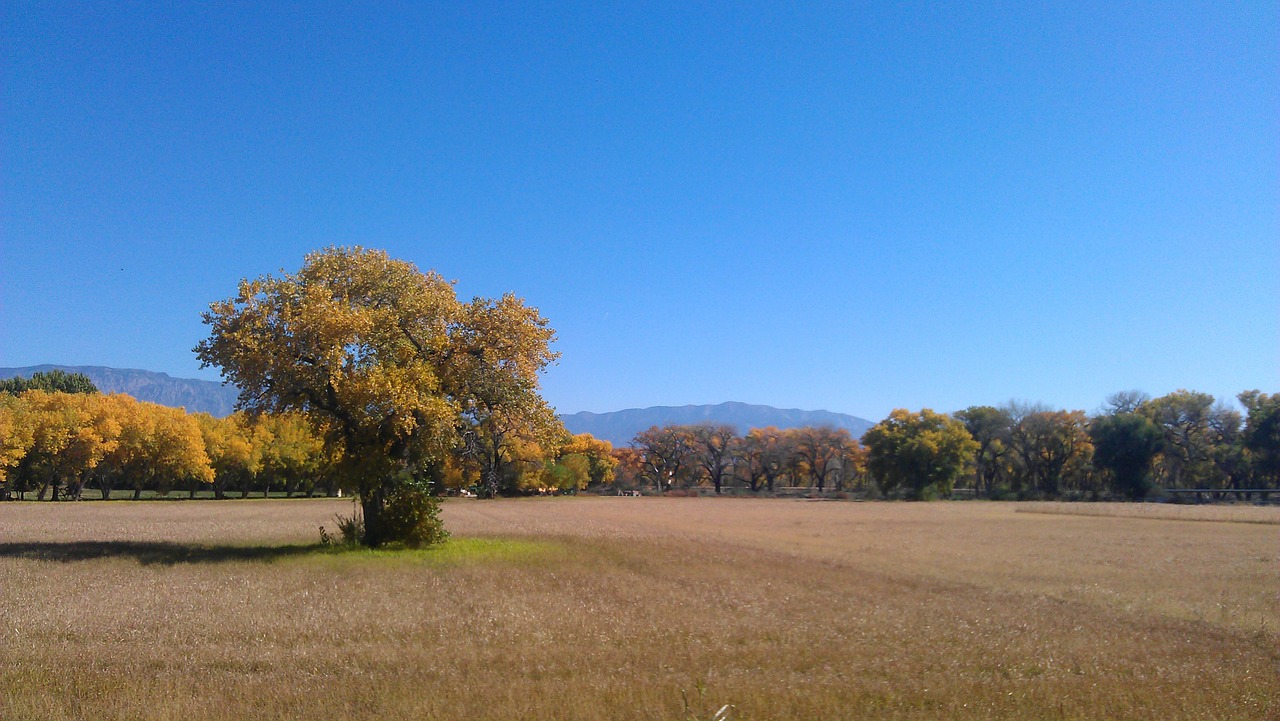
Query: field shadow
[[151, 553]]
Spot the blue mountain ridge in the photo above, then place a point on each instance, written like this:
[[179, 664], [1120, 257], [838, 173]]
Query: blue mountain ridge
[[618, 427]]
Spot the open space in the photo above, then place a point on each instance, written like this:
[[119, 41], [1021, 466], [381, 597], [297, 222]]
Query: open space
[[639, 608]]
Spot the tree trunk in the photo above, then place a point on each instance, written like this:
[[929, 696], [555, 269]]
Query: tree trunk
[[372, 505]]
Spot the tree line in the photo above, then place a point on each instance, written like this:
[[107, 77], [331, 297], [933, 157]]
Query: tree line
[[407, 387], [361, 372], [1182, 440], [60, 437]]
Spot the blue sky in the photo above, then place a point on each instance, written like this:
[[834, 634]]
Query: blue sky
[[848, 206]]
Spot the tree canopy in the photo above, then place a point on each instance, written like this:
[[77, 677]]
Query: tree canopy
[[387, 360], [918, 451], [54, 381]]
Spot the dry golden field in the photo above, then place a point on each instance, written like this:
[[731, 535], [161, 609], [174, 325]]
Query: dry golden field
[[636, 608], [1236, 513]]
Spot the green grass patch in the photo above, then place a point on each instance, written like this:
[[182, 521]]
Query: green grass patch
[[455, 552]]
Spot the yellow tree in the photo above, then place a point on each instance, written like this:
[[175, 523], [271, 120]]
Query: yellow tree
[[16, 438], [576, 463], [853, 462], [528, 467], [497, 352], [229, 444], [602, 466], [356, 340], [389, 361], [666, 455], [71, 432], [823, 450], [629, 471], [765, 451], [292, 454], [158, 447], [176, 448]]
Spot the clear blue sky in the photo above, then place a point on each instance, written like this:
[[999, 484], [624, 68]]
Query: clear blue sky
[[850, 206]]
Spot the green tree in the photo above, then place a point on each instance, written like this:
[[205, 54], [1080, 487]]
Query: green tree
[[386, 358], [599, 454], [991, 427], [1186, 453], [918, 451], [1124, 445], [54, 381], [1262, 434], [1054, 449], [570, 473]]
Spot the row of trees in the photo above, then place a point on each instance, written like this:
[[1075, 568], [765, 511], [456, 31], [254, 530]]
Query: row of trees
[[1178, 441], [404, 389], [55, 445], [405, 386], [683, 456]]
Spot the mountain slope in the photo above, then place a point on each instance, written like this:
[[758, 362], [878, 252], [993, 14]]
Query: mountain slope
[[620, 427], [194, 395]]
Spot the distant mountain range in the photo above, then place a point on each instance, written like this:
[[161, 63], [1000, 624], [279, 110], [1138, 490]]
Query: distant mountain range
[[619, 427], [196, 396]]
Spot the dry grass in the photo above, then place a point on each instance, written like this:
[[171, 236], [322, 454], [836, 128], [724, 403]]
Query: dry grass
[[1164, 511], [611, 608]]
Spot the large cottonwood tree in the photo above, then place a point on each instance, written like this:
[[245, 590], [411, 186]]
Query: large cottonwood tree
[[918, 451], [387, 359]]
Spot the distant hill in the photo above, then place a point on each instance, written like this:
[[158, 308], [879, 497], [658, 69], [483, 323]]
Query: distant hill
[[620, 427], [195, 395]]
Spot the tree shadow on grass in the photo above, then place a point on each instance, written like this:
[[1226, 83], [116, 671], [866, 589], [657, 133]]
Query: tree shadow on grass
[[152, 553]]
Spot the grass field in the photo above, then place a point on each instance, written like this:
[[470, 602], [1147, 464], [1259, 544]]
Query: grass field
[[637, 608]]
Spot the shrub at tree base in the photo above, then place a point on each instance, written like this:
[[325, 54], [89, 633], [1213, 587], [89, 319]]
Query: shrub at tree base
[[410, 518], [412, 515]]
